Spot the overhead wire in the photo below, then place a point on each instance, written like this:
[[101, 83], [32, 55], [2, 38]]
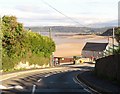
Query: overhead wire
[[49, 5]]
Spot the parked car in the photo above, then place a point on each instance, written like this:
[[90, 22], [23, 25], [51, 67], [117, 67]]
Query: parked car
[[78, 59]]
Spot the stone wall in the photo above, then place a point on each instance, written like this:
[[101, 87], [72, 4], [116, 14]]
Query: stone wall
[[26, 65], [108, 67]]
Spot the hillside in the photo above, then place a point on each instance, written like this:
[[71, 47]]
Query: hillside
[[108, 32], [68, 29]]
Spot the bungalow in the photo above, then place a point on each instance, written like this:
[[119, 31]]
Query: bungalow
[[95, 50]]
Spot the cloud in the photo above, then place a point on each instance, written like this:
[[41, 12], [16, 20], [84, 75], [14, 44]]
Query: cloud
[[47, 23], [78, 10], [52, 18], [105, 24], [32, 9]]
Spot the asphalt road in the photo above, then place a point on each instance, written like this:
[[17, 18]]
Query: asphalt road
[[50, 82]]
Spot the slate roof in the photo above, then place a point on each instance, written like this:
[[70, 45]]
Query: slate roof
[[91, 46]]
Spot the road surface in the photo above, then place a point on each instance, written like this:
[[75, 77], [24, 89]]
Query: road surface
[[50, 82]]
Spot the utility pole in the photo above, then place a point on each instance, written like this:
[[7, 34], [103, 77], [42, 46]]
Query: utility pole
[[113, 38], [108, 39], [1, 44], [29, 29], [50, 33], [108, 44], [51, 56]]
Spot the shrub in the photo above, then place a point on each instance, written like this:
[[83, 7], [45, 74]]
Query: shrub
[[21, 45]]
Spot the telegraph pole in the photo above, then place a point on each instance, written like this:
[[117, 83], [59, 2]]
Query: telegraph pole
[[113, 38], [1, 44], [108, 39], [51, 56], [50, 33]]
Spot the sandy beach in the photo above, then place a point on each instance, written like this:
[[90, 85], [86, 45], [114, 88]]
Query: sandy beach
[[72, 45], [68, 49]]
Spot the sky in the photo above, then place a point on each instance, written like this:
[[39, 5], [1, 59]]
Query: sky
[[61, 12]]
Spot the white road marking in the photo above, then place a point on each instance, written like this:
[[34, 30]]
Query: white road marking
[[81, 85], [77, 82], [33, 89], [16, 87], [47, 75], [39, 80], [87, 90], [2, 87], [84, 85], [12, 75]]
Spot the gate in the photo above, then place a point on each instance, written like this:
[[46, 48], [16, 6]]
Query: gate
[[63, 60]]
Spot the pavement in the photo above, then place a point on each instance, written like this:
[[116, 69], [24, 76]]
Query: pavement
[[98, 85], [6, 76]]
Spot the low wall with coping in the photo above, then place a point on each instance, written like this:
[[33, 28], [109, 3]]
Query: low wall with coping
[[108, 67]]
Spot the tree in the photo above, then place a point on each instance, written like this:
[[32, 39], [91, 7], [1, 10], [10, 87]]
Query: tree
[[12, 34], [20, 45], [117, 37]]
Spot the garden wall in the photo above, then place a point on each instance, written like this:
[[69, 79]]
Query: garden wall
[[108, 67]]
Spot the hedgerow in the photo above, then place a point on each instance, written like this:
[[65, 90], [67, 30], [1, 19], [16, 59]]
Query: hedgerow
[[20, 45]]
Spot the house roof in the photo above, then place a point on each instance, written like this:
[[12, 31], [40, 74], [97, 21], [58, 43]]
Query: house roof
[[91, 46]]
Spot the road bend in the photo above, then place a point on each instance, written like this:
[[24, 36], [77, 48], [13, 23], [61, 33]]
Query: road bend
[[50, 82]]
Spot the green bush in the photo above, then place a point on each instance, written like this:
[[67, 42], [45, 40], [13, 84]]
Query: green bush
[[37, 59], [19, 45], [9, 63]]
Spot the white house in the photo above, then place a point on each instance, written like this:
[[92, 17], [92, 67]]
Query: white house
[[92, 49]]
